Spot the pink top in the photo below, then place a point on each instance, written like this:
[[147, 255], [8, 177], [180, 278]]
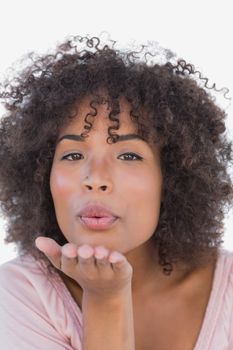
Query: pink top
[[37, 312]]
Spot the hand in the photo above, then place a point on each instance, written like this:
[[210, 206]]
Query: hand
[[97, 270]]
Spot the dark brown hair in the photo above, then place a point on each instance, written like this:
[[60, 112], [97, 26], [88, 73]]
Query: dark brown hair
[[169, 107]]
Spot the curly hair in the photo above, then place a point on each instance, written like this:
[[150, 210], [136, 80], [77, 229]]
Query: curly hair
[[167, 105]]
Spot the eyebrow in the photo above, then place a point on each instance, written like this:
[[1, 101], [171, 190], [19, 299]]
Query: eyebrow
[[120, 138]]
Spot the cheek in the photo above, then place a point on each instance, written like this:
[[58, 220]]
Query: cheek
[[144, 196], [146, 185], [61, 185], [62, 189]]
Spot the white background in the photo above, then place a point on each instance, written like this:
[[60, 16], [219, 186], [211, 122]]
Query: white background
[[199, 31]]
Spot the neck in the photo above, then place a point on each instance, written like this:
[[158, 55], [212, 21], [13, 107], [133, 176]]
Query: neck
[[148, 276]]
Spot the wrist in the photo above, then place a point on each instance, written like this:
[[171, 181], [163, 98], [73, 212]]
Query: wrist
[[115, 300]]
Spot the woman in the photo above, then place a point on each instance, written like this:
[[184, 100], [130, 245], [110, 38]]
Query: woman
[[114, 181]]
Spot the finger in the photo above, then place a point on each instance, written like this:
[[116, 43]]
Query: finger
[[101, 256], [69, 257], [50, 248], [117, 260], [85, 255]]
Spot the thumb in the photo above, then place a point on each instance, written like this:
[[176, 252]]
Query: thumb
[[51, 249]]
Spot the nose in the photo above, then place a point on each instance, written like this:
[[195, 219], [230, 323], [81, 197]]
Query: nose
[[98, 179], [96, 185]]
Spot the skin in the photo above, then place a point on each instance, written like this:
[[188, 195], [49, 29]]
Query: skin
[[116, 272], [106, 262]]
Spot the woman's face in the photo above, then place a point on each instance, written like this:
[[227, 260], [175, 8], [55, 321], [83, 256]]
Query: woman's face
[[93, 171]]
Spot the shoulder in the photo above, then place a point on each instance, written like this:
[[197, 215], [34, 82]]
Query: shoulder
[[21, 286], [223, 278], [22, 274], [28, 280], [20, 266], [18, 274], [223, 295], [225, 260], [33, 303]]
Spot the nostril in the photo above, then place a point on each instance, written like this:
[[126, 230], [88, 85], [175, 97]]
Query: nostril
[[104, 188]]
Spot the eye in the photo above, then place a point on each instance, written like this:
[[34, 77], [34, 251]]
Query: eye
[[73, 156], [131, 155], [77, 156]]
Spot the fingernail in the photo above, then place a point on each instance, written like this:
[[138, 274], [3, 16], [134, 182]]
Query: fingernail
[[69, 252], [116, 257], [85, 251], [101, 252], [37, 244]]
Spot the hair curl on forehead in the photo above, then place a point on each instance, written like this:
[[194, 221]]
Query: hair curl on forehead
[[114, 110], [170, 104]]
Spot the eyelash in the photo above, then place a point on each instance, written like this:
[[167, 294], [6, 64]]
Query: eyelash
[[127, 153]]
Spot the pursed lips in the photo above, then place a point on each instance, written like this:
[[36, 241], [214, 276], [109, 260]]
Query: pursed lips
[[97, 217]]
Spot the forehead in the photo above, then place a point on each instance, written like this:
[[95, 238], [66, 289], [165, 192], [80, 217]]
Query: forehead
[[100, 123], [101, 120]]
